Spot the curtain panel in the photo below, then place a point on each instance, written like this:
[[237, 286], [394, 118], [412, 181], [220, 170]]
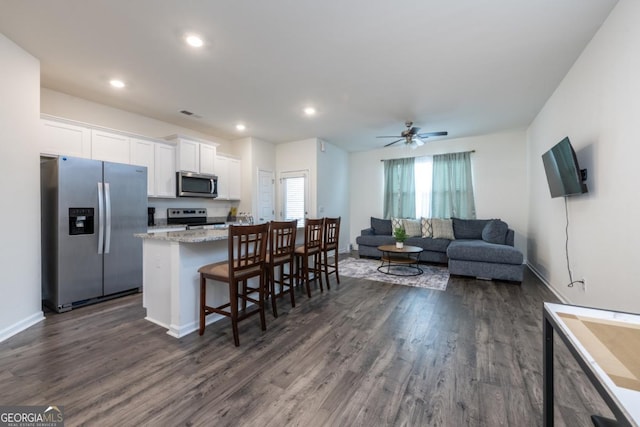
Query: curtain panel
[[399, 188], [452, 191]]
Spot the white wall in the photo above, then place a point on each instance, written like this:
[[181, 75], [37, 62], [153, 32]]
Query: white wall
[[333, 188], [256, 155], [598, 106], [70, 107], [499, 172], [20, 188]]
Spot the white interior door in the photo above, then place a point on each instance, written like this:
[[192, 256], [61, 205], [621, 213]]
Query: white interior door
[[295, 195], [266, 196]]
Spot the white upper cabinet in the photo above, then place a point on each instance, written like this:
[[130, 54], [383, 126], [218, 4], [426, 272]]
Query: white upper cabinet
[[234, 172], [110, 147], [165, 171], [207, 159], [188, 155], [194, 155], [66, 139], [229, 174], [143, 154]]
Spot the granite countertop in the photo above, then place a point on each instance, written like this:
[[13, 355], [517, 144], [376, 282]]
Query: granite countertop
[[187, 236]]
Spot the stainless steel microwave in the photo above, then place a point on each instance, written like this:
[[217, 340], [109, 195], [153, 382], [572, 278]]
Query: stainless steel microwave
[[191, 184]]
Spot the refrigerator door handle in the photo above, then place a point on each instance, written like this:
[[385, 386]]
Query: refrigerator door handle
[[100, 218], [107, 228]]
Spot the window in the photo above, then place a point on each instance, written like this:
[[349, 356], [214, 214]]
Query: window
[[440, 187], [294, 195]]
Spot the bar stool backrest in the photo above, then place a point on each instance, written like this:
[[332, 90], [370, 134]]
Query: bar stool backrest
[[247, 248]]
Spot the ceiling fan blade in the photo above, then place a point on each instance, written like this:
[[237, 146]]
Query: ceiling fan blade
[[414, 130], [394, 136], [391, 143], [428, 134]]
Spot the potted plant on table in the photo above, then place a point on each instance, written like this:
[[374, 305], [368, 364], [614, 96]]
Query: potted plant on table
[[400, 235]]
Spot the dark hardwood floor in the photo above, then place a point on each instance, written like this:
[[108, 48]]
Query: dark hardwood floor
[[362, 354]]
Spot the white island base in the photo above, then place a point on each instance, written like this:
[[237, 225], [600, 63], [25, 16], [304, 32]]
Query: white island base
[[171, 288]]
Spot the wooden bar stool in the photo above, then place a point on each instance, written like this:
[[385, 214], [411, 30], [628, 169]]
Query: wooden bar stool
[[282, 244], [330, 242], [247, 251], [310, 249]]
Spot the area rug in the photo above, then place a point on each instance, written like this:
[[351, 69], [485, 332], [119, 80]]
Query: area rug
[[433, 277]]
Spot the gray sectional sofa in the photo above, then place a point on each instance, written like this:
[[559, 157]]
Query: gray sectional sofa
[[482, 248]]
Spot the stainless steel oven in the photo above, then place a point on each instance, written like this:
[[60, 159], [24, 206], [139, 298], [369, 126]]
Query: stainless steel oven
[[191, 184]]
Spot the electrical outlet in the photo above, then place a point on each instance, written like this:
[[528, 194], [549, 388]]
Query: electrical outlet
[[584, 285]]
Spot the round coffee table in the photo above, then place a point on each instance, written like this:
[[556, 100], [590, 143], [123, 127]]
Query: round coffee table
[[393, 257]]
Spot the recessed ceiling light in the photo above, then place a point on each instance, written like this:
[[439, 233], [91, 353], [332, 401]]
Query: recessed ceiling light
[[310, 111], [117, 83], [194, 40], [240, 127]]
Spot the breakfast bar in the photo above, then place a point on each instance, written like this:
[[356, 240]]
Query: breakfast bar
[[170, 276]]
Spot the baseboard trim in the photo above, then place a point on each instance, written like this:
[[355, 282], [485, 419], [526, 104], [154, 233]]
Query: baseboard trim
[[545, 282], [21, 325]]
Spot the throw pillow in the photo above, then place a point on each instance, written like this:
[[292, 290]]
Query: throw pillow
[[396, 223], [442, 228], [495, 232], [469, 228], [381, 226], [412, 227], [425, 228]]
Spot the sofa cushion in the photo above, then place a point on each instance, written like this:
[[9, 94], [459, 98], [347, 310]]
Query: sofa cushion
[[412, 227], [375, 240], [425, 227], [442, 229], [381, 226], [396, 223], [434, 245], [481, 251], [469, 228], [495, 232]]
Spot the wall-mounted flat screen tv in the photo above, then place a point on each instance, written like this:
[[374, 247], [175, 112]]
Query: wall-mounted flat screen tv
[[564, 175]]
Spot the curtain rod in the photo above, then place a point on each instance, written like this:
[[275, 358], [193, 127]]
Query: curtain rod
[[458, 152]]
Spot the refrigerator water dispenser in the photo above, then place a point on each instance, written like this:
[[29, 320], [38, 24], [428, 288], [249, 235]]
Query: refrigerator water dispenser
[[80, 221]]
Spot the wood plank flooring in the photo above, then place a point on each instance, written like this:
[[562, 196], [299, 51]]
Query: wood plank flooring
[[362, 354]]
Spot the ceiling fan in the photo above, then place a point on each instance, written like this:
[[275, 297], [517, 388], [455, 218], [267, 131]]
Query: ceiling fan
[[411, 135]]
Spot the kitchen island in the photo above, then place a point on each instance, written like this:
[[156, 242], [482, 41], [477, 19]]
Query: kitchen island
[[171, 283]]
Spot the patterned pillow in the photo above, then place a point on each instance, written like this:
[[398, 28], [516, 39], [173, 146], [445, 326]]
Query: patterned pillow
[[425, 227], [396, 223], [442, 228], [412, 227]]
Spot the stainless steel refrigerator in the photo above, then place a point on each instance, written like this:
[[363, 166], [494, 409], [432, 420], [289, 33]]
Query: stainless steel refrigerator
[[90, 211]]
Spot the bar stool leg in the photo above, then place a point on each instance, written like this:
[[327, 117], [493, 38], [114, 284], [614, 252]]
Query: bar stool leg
[[233, 294], [203, 301]]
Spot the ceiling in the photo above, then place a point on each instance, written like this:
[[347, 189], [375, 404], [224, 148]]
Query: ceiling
[[469, 67]]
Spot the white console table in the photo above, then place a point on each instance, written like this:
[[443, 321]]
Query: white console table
[[606, 345]]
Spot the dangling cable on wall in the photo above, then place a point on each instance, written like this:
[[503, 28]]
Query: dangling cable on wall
[[566, 245]]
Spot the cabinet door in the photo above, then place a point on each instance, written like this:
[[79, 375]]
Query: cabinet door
[[188, 156], [165, 171], [110, 147], [65, 139], [207, 159], [234, 176], [222, 168], [142, 154]]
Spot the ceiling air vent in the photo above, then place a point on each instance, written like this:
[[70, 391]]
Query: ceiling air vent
[[190, 114]]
